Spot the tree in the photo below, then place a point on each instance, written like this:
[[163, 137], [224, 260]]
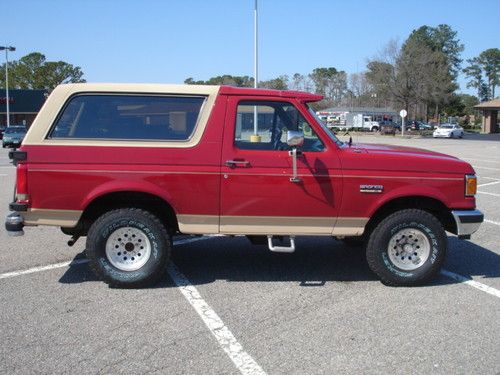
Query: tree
[[397, 73], [490, 63], [226, 79], [483, 72], [330, 83], [443, 65], [301, 82], [469, 101], [34, 72], [279, 83], [444, 40], [474, 73], [359, 85]]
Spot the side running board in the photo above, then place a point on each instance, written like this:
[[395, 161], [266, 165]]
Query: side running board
[[281, 249]]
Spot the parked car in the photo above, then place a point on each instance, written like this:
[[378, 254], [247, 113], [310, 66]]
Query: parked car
[[13, 136], [2, 129], [417, 125], [449, 131], [389, 127]]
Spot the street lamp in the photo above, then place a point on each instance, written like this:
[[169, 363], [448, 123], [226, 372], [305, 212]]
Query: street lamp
[[7, 49]]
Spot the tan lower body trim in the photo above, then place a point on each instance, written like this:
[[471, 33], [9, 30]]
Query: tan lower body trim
[[60, 218], [268, 225], [209, 224], [350, 226], [272, 225], [198, 224]]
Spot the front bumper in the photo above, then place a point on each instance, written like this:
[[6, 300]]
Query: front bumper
[[468, 221], [13, 143], [441, 135]]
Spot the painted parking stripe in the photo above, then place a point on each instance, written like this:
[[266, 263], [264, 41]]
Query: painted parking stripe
[[241, 359], [492, 222], [487, 168], [472, 283], [43, 268], [77, 261], [489, 183], [486, 193], [483, 160]]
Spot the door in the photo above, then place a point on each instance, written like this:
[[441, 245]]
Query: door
[[258, 192]]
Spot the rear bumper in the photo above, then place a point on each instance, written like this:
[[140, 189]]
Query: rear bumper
[[468, 221]]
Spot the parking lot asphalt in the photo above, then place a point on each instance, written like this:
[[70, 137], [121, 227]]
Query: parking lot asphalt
[[232, 307]]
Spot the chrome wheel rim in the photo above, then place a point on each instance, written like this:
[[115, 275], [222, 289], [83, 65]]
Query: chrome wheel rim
[[409, 249], [128, 249]]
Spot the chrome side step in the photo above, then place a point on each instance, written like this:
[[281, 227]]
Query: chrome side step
[[281, 249]]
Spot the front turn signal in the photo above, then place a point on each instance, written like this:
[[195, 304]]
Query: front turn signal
[[470, 185]]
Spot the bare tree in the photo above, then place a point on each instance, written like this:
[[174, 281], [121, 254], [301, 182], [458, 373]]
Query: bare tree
[[412, 75]]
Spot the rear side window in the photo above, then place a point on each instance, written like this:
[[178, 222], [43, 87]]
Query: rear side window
[[128, 117]]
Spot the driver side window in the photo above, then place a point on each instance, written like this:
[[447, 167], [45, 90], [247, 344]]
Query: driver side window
[[263, 125]]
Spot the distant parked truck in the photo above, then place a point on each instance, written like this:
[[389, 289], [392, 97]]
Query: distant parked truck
[[361, 121]]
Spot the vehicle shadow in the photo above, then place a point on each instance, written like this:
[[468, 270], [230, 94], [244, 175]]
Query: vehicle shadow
[[316, 262], [495, 137]]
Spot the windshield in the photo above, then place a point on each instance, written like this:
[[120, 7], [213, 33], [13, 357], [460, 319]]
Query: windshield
[[15, 129], [446, 126], [323, 126]]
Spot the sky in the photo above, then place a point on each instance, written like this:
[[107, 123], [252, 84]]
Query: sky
[[167, 41]]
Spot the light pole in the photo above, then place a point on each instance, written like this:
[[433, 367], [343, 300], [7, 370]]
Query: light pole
[[255, 137], [7, 104]]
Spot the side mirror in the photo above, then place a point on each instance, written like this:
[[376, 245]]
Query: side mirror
[[294, 138]]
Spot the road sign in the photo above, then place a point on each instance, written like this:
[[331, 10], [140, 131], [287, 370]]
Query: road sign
[[403, 114]]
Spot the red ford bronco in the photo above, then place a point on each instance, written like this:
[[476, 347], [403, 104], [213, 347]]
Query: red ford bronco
[[131, 165]]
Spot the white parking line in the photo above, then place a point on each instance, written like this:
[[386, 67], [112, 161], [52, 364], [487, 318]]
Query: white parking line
[[491, 222], [241, 359], [486, 193], [43, 268], [472, 283], [490, 178], [76, 262], [489, 183], [483, 160], [487, 168]]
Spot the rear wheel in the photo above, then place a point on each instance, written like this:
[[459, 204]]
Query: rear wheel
[[128, 248], [407, 248]]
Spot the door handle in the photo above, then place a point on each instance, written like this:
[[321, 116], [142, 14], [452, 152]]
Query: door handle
[[237, 163]]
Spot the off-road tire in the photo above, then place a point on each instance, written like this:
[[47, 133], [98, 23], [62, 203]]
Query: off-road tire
[[147, 226], [430, 231]]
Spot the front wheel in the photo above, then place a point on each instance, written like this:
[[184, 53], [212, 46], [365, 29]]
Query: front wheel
[[128, 248], [407, 248]]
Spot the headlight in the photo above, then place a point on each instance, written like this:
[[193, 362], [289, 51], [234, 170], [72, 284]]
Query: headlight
[[470, 185]]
